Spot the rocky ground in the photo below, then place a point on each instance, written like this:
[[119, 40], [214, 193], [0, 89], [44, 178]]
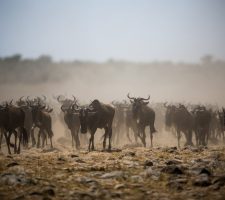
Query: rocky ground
[[127, 173]]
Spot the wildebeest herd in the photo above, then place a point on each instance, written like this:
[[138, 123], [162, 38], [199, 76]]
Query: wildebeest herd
[[30, 119]]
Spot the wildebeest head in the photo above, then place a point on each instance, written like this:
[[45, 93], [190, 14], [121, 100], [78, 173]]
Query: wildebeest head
[[169, 116], [137, 103], [66, 104], [21, 102], [96, 105], [85, 114], [36, 106]]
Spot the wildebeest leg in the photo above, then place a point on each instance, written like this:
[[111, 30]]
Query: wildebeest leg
[[178, 138], [7, 138], [196, 137], [1, 136], [72, 135], [15, 146], [151, 138], [105, 136], [190, 138], [135, 131], [38, 142], [143, 136], [110, 136], [77, 139], [43, 137], [32, 136], [20, 138], [50, 135], [128, 135], [91, 142]]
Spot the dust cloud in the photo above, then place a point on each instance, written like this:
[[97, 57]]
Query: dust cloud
[[112, 80], [201, 82]]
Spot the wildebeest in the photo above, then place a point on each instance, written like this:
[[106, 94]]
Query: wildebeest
[[65, 103], [97, 115], [144, 116], [72, 120], [202, 118], [182, 120], [43, 121], [118, 121], [12, 122], [28, 121], [130, 123]]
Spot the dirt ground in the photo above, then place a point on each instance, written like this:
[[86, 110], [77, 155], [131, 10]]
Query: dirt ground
[[130, 172]]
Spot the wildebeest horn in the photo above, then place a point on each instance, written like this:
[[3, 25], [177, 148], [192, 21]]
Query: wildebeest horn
[[28, 98], [128, 95], [58, 99], [113, 103], [63, 109], [20, 99], [10, 103], [74, 99], [77, 107], [145, 99]]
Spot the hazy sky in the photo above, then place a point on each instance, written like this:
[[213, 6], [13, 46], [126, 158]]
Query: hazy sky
[[139, 30]]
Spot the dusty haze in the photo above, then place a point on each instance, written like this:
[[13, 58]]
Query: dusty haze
[[112, 80]]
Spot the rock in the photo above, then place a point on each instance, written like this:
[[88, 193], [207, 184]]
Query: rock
[[12, 164], [173, 162], [170, 149], [85, 180], [119, 186], [200, 170], [148, 163], [48, 191], [130, 153], [47, 150], [218, 182], [79, 160], [61, 158], [74, 156], [15, 179], [136, 179], [153, 174], [202, 180], [172, 169], [175, 185], [114, 174], [130, 164]]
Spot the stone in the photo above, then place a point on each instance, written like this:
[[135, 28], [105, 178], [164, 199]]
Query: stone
[[172, 169], [202, 180], [114, 174]]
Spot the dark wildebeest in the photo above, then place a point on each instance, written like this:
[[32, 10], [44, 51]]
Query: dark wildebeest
[[12, 122], [216, 130], [222, 123], [181, 119], [72, 120], [65, 103], [118, 122], [202, 118], [97, 115], [28, 121], [43, 121], [130, 123], [144, 116]]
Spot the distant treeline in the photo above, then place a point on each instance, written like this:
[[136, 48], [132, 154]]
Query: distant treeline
[[15, 69]]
